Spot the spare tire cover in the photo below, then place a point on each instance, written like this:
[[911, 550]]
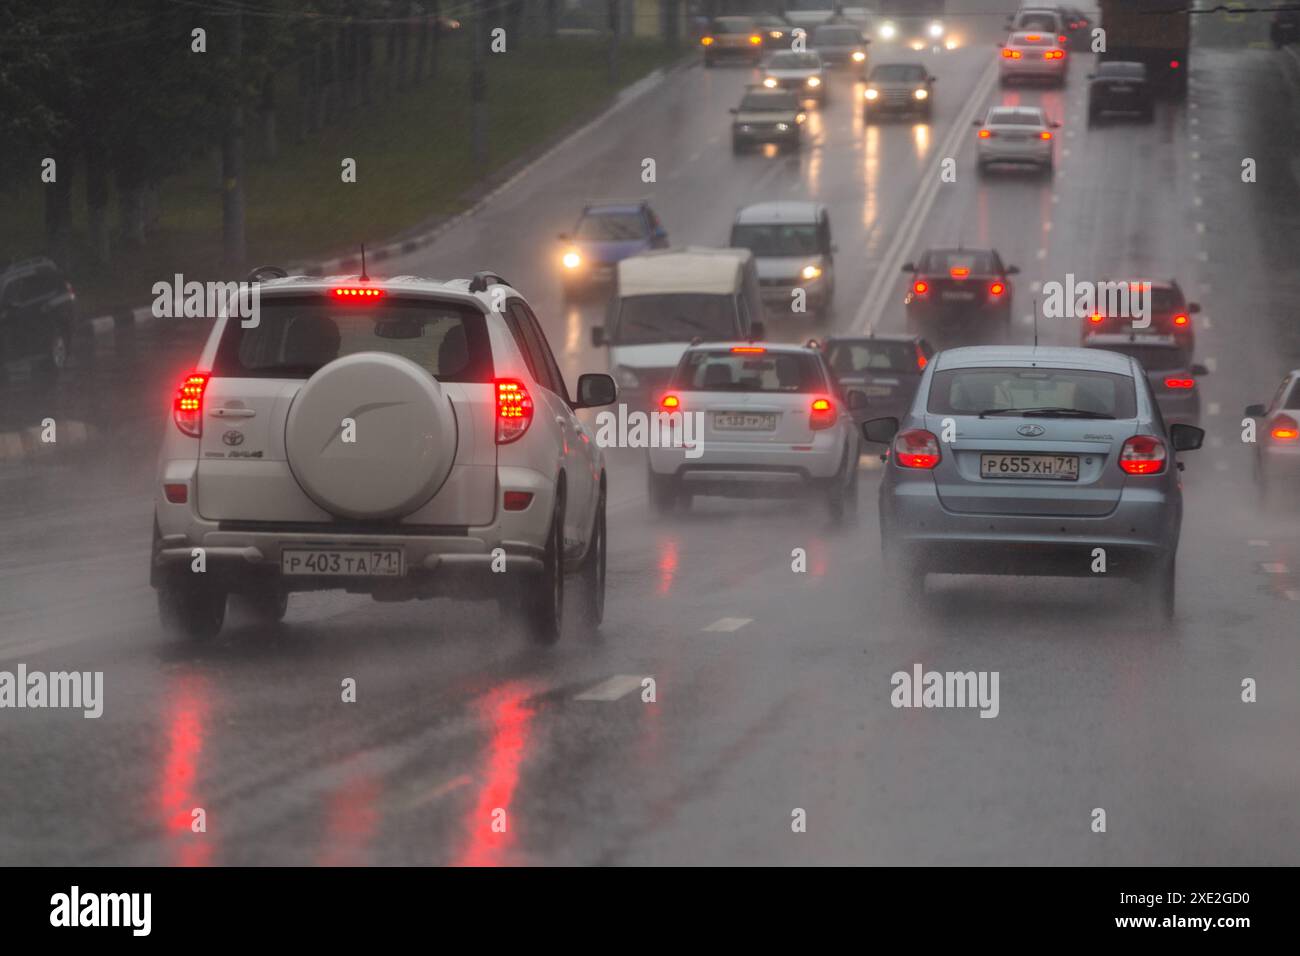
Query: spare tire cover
[[405, 436]]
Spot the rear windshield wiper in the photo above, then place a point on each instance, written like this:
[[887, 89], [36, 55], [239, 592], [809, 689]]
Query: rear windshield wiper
[[1045, 412]]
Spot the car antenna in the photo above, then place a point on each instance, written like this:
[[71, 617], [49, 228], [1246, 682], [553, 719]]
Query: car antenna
[[1035, 323], [364, 277]]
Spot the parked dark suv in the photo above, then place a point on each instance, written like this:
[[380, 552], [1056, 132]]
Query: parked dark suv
[[37, 306]]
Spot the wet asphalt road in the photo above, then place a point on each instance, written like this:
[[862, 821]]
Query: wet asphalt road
[[773, 687]]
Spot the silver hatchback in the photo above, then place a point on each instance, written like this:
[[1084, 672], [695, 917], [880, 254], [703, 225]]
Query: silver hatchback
[[1021, 460]]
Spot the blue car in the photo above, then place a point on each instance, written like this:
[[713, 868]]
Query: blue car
[[607, 233]]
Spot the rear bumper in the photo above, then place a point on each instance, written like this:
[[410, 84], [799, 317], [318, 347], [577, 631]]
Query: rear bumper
[[1033, 69], [1028, 151], [754, 463], [1142, 529]]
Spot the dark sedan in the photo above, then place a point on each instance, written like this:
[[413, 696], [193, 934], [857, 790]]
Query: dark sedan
[[951, 285], [1120, 87]]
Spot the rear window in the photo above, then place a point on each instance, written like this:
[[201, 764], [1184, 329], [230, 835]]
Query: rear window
[[1014, 118], [979, 263], [1037, 21], [726, 371], [1154, 358], [846, 359], [296, 336], [1126, 71], [794, 61], [674, 317], [969, 391]]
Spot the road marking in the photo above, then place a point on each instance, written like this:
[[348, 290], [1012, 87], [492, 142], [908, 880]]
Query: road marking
[[1257, 543], [1027, 318], [1197, 200], [620, 685], [1056, 197], [1292, 595], [728, 624], [1203, 256], [438, 792], [1196, 154], [1036, 286], [1065, 151], [1216, 441], [1193, 121], [1213, 408], [1273, 567], [891, 263], [1220, 466], [1211, 363], [1042, 253], [1200, 227], [1205, 322]]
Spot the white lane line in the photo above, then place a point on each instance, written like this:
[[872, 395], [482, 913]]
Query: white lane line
[[1211, 363], [1273, 567], [728, 624], [1027, 318], [1042, 253], [1056, 197], [1196, 154], [1197, 200], [1257, 543], [1220, 466], [882, 283], [1213, 408], [438, 792], [1205, 322], [1200, 227], [1036, 286], [1292, 595], [1203, 256], [620, 685]]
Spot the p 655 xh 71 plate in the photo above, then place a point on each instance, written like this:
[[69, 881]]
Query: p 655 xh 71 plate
[[1058, 467]]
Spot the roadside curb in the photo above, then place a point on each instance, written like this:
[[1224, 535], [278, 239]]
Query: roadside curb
[[142, 315]]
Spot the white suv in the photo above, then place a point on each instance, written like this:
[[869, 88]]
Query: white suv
[[405, 438]]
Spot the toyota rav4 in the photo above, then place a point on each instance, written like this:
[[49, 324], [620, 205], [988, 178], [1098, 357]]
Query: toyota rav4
[[405, 438]]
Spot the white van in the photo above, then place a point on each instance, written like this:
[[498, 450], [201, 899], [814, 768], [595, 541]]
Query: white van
[[666, 300]]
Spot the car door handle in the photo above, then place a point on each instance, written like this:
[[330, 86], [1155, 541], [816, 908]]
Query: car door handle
[[233, 413]]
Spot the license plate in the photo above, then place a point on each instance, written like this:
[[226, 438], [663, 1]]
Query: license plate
[[877, 390], [1057, 467], [744, 421], [1015, 137], [958, 296], [342, 562], [1121, 89]]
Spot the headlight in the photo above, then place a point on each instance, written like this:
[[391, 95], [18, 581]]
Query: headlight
[[625, 377], [811, 272], [769, 82], [936, 30], [871, 93], [782, 127], [922, 94], [888, 31], [571, 260], [814, 81], [858, 56], [800, 117], [775, 34]]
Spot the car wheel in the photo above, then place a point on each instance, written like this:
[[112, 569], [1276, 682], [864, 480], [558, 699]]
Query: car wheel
[[1163, 587], [191, 613], [267, 606], [55, 358], [1094, 116], [737, 147], [1049, 169], [663, 492], [982, 168], [593, 570], [708, 62], [540, 609]]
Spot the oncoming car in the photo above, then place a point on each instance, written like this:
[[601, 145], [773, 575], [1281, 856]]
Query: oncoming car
[[773, 425], [792, 247], [840, 44], [898, 88], [387, 437], [767, 116], [803, 74], [1026, 461], [606, 233]]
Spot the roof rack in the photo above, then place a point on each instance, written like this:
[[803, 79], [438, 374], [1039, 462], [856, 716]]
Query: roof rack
[[480, 281]]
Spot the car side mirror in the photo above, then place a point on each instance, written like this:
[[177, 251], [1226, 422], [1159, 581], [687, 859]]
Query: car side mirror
[[1013, 270], [1199, 369], [598, 339], [1186, 437], [1256, 411], [595, 390], [909, 267], [757, 331], [880, 430], [1193, 307]]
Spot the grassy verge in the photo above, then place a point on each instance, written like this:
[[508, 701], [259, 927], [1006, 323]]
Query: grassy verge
[[412, 151]]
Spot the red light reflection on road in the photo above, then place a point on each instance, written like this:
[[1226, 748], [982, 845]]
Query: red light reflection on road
[[667, 564], [177, 798], [505, 709], [350, 820]]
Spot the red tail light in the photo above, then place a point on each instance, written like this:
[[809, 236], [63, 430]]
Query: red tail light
[[822, 415], [959, 272], [1180, 383], [1143, 455], [920, 288], [748, 349], [1011, 54], [514, 410], [997, 288], [916, 448], [178, 493], [187, 411], [1174, 64], [670, 403], [1062, 40], [517, 500], [357, 292], [1285, 428], [1181, 319], [921, 361], [1096, 318], [987, 134], [1045, 134]]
